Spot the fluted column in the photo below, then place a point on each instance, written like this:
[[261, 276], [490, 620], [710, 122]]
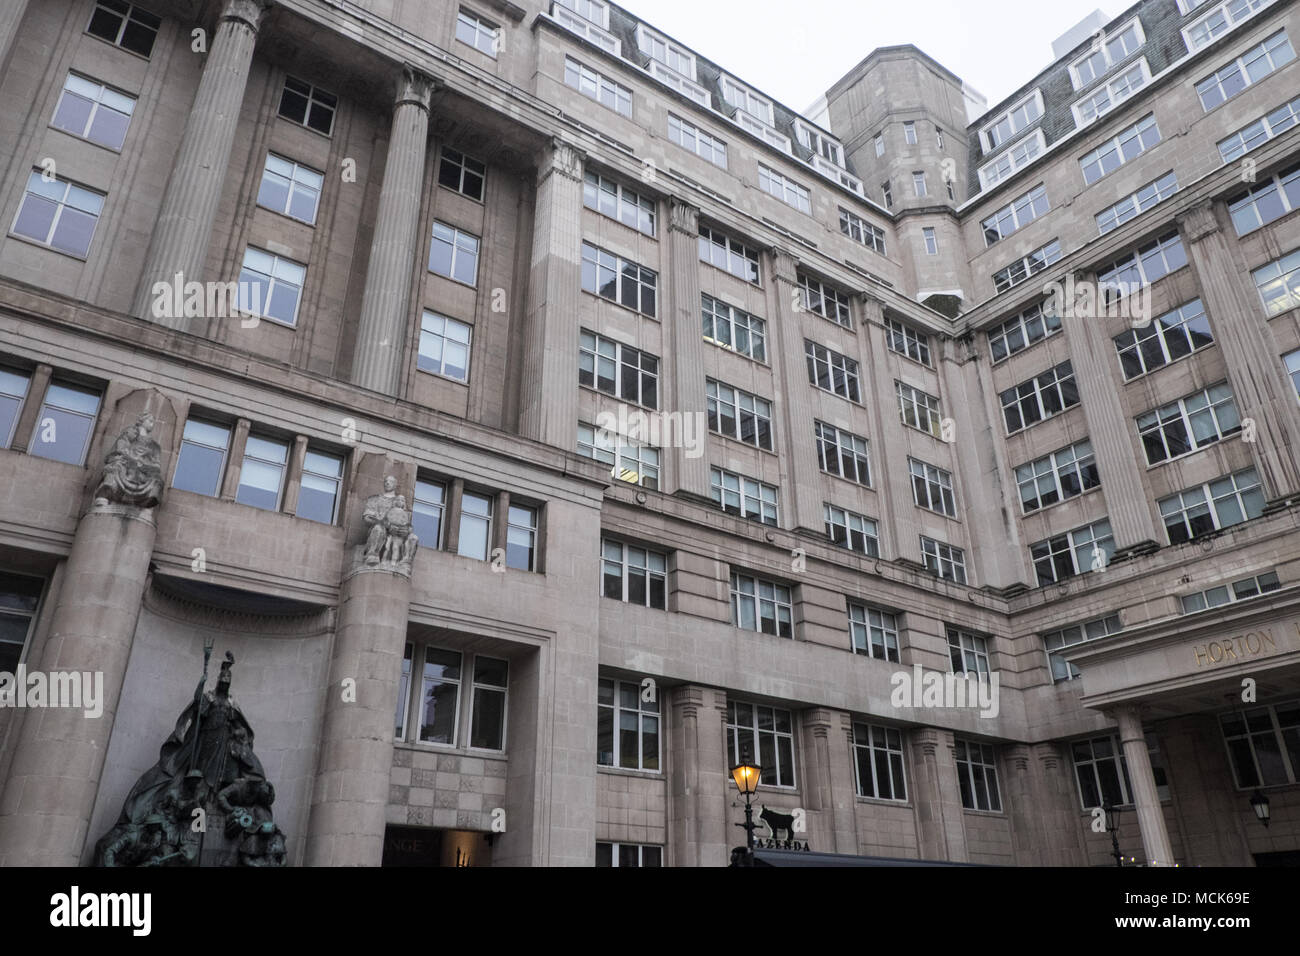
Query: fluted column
[[690, 467], [699, 822], [11, 17], [189, 207], [548, 395], [1259, 383], [800, 479], [941, 829], [1151, 818], [395, 248]]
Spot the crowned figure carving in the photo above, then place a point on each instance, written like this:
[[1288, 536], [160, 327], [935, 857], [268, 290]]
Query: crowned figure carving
[[133, 468], [390, 540]]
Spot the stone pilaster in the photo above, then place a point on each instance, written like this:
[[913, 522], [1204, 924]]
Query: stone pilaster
[[888, 476], [690, 471], [699, 819], [941, 831], [800, 482], [11, 18], [1151, 818], [828, 789], [1063, 833], [394, 250], [1259, 383], [350, 793], [189, 206], [548, 395]]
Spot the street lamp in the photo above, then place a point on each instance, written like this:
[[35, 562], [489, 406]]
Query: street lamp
[[1259, 803], [1112, 827], [746, 775]]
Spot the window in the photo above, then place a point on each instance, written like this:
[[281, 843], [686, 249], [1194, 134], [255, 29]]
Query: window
[[618, 280], [630, 461], [1260, 132], [1264, 745], [678, 59], [1292, 360], [481, 35], [1016, 158], [598, 87], [634, 574], [728, 254], [124, 25], [843, 454], [1101, 772], [1249, 68], [1042, 397], [1271, 200], [931, 243], [737, 414], [689, 136], [932, 488], [261, 475], [201, 461], [1243, 589], [831, 371], [462, 173], [826, 301], [909, 133], [308, 105], [786, 190], [905, 340], [618, 370], [593, 10], [1077, 551], [943, 560], [58, 214], [1055, 642], [919, 409], [874, 632], [629, 854], [1224, 17], [65, 423], [1151, 262], [859, 230], [1016, 215], [918, 184], [977, 776], [475, 526], [318, 495], [290, 189], [1189, 424], [1130, 207], [13, 393], [487, 724], [853, 531], [738, 495], [403, 693], [589, 19], [427, 511], [878, 760], [611, 198], [444, 347], [821, 144], [1213, 506], [879, 140], [19, 597], [763, 606], [1023, 330], [1029, 265], [1112, 94], [746, 100], [1114, 153], [1060, 476], [270, 286], [772, 729], [627, 727], [1279, 284], [733, 329], [887, 195], [1107, 53], [521, 538], [93, 112], [440, 696], [1013, 122], [454, 254]]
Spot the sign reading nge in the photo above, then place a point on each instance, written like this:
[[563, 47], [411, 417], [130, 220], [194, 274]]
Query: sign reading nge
[[1239, 648]]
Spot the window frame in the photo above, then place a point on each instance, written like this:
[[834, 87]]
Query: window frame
[[626, 569], [848, 370], [846, 446], [480, 27], [944, 554], [631, 280], [870, 538], [868, 620], [972, 755], [96, 104], [312, 100], [733, 728], [616, 710], [456, 252], [61, 204], [622, 367], [871, 753], [747, 489]]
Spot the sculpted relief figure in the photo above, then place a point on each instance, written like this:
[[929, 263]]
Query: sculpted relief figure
[[390, 539], [133, 468]]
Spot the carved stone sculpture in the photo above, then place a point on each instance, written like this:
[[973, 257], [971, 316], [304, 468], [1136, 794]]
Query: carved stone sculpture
[[390, 540], [133, 468]]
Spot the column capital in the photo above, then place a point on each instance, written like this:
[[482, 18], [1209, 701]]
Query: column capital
[[414, 88], [1018, 756], [819, 720], [683, 217], [1048, 754], [247, 12], [873, 305], [785, 266], [561, 157], [1199, 221]]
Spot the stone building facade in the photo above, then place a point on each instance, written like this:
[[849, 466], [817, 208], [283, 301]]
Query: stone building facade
[[1006, 394]]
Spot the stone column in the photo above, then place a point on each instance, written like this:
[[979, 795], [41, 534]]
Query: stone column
[[1092, 356], [59, 752], [941, 829], [1064, 833], [548, 394], [1151, 818], [350, 793], [800, 480], [690, 471], [1263, 394], [395, 248], [11, 18], [699, 813], [189, 206], [828, 781]]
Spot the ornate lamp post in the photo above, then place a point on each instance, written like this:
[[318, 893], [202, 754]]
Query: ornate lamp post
[[746, 775], [1112, 827], [1259, 803]]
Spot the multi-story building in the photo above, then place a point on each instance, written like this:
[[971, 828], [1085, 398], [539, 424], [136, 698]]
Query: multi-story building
[[1003, 393]]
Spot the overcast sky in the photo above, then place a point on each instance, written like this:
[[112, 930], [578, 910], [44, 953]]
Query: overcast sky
[[795, 49]]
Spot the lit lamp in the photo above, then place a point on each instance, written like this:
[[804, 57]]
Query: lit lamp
[[1259, 803], [746, 775]]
